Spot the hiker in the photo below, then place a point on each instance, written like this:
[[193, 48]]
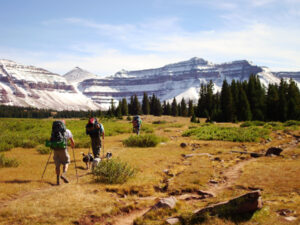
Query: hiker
[[95, 130], [59, 139], [136, 123]]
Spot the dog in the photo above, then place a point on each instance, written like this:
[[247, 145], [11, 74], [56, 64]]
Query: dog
[[95, 163], [88, 159], [108, 155]]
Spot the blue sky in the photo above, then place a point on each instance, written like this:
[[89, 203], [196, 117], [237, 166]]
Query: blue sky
[[106, 36]]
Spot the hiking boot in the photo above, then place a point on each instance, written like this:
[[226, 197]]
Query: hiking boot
[[57, 180], [64, 178]]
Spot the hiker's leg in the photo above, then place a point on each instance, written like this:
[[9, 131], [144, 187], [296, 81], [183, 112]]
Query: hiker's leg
[[65, 168], [96, 144]]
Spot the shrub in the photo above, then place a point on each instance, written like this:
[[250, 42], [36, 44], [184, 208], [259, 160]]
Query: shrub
[[128, 118], [5, 147], [113, 171], [147, 140], [291, 123], [159, 122], [6, 162], [147, 129], [213, 132], [29, 144], [43, 149], [252, 123]]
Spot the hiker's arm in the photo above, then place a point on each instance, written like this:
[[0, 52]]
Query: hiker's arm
[[72, 142]]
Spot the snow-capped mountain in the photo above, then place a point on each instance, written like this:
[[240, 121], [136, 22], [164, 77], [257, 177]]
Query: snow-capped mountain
[[22, 85], [77, 75], [180, 80], [81, 90]]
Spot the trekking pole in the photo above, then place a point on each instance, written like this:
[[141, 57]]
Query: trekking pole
[[75, 164], [103, 149], [46, 165]]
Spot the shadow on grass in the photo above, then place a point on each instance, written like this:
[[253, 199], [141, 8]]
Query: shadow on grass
[[17, 181]]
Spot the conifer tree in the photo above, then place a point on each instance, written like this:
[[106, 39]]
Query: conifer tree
[[191, 108], [244, 111], [168, 109], [293, 96], [145, 104], [283, 102], [118, 112], [136, 107], [272, 103], [124, 107], [256, 97], [184, 111], [226, 102], [174, 110]]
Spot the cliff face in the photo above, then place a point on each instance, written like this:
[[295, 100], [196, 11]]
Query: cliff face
[[178, 80], [30, 86]]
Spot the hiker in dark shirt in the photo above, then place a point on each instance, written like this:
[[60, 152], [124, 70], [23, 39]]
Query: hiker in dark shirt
[[95, 130]]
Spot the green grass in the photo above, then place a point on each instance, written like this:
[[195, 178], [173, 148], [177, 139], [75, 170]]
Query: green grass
[[235, 134], [7, 162], [113, 171], [30, 133], [42, 149], [147, 140], [252, 123]]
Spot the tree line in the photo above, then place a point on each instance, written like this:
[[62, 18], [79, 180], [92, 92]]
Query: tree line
[[237, 101]]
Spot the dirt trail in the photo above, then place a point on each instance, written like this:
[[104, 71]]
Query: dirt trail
[[128, 219]]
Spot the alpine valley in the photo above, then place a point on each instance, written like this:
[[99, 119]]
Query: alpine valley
[[79, 89]]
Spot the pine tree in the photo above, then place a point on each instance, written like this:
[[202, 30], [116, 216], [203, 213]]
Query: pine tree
[[256, 97], [293, 96], [226, 102], [130, 104], [244, 111], [283, 102], [136, 107], [124, 107], [168, 109], [118, 112], [272, 103], [145, 104], [174, 110], [191, 108], [184, 111]]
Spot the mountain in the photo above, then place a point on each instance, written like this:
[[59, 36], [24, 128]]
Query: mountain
[[22, 85], [178, 80], [77, 75], [81, 90]]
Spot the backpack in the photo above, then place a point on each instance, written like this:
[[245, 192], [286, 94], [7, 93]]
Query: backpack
[[94, 128], [137, 121], [58, 136]]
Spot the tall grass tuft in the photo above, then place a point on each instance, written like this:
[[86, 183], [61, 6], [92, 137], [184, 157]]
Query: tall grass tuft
[[113, 171], [43, 150], [235, 134], [7, 162], [147, 140]]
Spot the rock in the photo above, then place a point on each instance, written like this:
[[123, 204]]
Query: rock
[[274, 151], [172, 221], [217, 159], [206, 193], [290, 218], [246, 203], [183, 145], [188, 197], [196, 154], [166, 203], [284, 212], [213, 182], [255, 155]]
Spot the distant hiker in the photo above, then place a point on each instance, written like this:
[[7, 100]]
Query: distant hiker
[[59, 140], [95, 130], [136, 123]]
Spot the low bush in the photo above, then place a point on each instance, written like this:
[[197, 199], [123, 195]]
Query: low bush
[[6, 162], [42, 149], [5, 147], [159, 122], [290, 123], [147, 140], [235, 134], [113, 171], [252, 123]]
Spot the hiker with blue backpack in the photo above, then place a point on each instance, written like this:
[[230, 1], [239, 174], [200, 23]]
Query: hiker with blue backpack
[[96, 131], [136, 123], [58, 142]]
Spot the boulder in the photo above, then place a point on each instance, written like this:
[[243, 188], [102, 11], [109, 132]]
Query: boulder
[[167, 203], [172, 221], [246, 203], [196, 154], [274, 151], [183, 145]]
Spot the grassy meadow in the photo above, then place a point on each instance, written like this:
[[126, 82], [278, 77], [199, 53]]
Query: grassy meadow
[[154, 170]]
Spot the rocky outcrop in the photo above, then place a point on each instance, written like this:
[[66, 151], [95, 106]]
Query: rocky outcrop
[[246, 203], [274, 151]]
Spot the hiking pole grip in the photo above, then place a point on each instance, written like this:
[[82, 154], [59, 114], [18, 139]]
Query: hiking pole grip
[[46, 165], [75, 164]]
